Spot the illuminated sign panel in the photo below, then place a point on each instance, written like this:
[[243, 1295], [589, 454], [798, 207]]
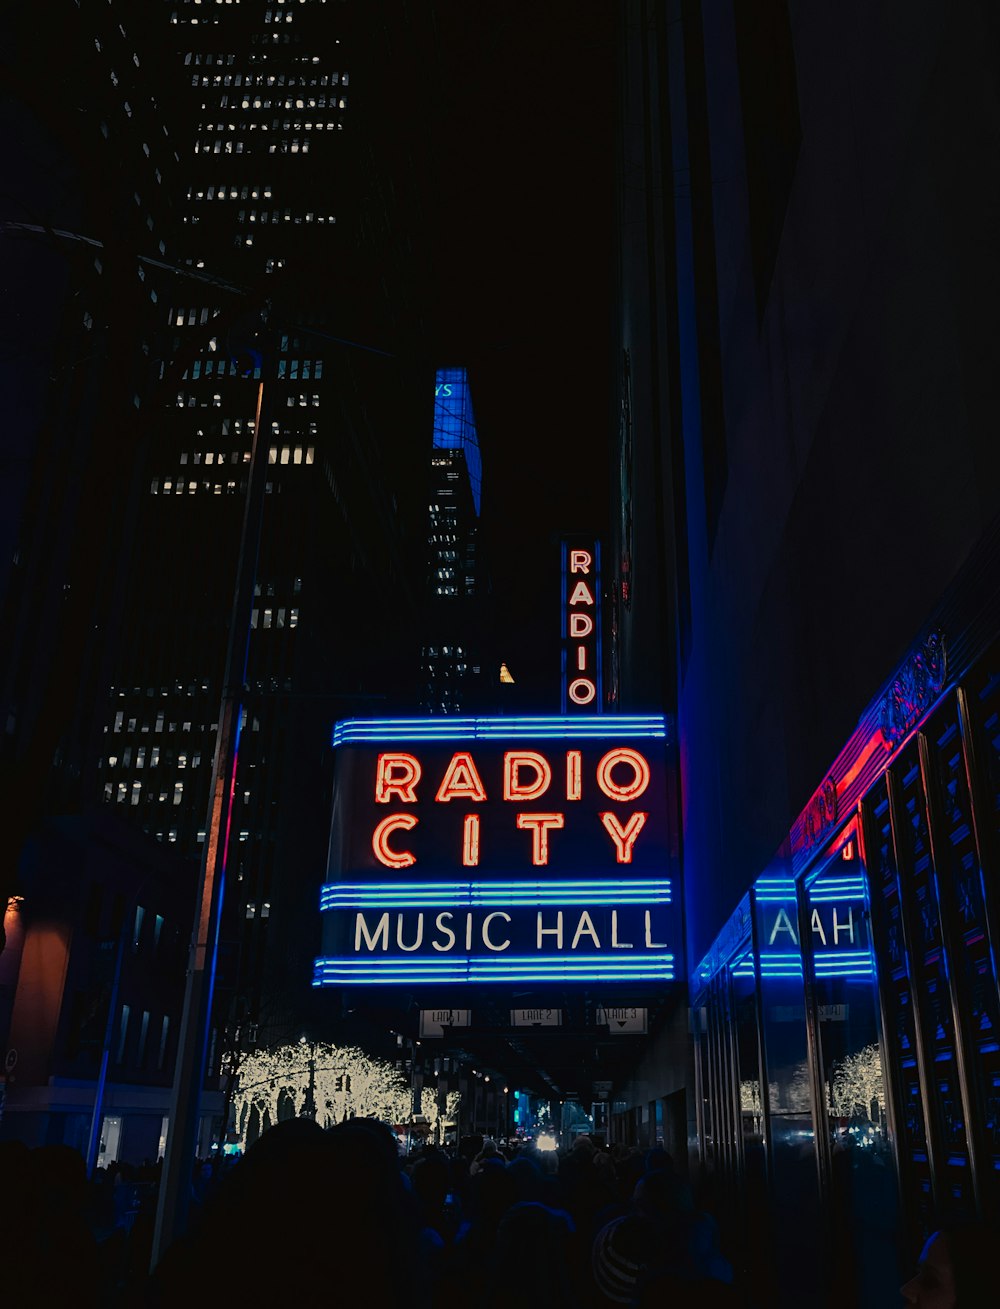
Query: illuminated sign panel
[[478, 850], [838, 928], [582, 682]]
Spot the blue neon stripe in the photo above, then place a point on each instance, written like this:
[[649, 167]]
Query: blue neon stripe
[[851, 965], [830, 897], [341, 971], [598, 882], [414, 901], [486, 962], [348, 895], [826, 889], [585, 726], [841, 897]]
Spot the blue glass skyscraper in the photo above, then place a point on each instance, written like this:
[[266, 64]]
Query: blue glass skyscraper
[[451, 664]]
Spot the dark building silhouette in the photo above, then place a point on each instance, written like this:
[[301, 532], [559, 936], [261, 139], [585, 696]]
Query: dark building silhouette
[[805, 542], [244, 208], [93, 971], [90, 171]]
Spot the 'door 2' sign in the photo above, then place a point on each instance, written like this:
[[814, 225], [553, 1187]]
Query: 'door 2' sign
[[495, 850]]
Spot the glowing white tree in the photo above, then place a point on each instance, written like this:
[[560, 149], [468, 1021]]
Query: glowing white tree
[[856, 1082], [346, 1083], [750, 1098]]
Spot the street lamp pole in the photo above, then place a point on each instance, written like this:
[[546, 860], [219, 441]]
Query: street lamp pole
[[309, 1103], [189, 1074], [102, 1076]]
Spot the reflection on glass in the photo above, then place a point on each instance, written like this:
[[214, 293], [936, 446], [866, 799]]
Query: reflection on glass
[[857, 1092], [756, 1210], [750, 1104], [863, 1203], [795, 1181]]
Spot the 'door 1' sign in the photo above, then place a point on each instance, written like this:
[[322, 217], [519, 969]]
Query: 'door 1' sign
[[491, 850]]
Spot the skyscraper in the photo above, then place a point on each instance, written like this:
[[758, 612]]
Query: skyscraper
[[261, 214], [456, 672], [290, 233]]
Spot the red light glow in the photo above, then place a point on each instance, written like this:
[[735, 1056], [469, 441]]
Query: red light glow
[[380, 841], [640, 774], [513, 787], [470, 840], [461, 781], [574, 785], [539, 825], [624, 837], [397, 775]]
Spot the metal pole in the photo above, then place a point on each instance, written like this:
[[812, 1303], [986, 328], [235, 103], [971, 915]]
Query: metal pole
[[189, 1075], [309, 1103], [102, 1076]]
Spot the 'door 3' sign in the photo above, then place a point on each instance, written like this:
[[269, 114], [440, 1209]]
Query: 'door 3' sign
[[498, 850]]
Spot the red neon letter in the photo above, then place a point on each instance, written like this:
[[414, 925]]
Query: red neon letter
[[539, 825], [513, 787], [580, 625], [470, 840], [573, 785], [624, 837], [580, 561], [380, 841], [398, 774], [461, 781], [581, 595], [640, 771], [581, 658], [582, 690]]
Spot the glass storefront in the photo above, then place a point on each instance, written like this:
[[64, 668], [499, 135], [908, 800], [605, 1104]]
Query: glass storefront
[[849, 1050]]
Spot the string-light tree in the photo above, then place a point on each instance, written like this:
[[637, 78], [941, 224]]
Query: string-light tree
[[857, 1083], [340, 1082], [750, 1098]]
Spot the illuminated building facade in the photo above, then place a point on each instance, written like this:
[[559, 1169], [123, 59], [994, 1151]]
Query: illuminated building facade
[[521, 869], [443, 815], [806, 526], [454, 677]]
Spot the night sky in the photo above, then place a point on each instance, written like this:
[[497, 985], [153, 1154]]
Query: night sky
[[519, 225], [524, 233]]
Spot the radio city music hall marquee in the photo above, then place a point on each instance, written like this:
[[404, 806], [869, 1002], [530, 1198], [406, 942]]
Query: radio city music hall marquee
[[506, 849]]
